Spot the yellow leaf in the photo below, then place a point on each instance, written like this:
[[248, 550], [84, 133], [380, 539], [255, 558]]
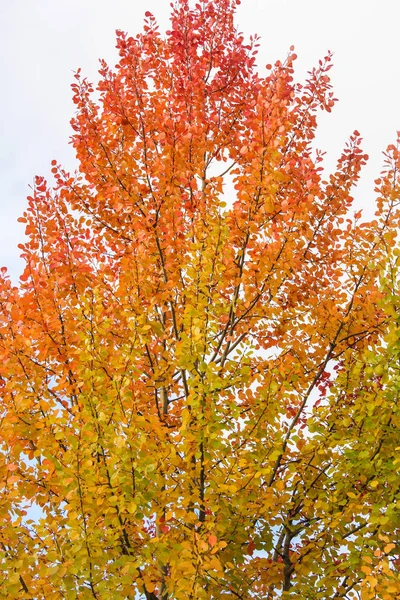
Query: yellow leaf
[[132, 507], [372, 581], [366, 569], [215, 564]]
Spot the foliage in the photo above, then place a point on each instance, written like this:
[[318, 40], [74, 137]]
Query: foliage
[[199, 366]]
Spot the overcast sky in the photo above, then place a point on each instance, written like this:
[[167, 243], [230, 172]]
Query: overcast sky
[[43, 41]]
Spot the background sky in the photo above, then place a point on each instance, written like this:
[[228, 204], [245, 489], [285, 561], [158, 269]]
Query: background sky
[[43, 41]]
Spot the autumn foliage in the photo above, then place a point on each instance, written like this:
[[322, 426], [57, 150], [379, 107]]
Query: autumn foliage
[[200, 365]]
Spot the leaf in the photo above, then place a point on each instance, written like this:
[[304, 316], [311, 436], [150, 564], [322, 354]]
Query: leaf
[[12, 467], [251, 547]]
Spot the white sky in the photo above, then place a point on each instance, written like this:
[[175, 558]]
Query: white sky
[[43, 41]]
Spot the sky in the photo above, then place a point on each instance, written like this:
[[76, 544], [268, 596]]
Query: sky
[[42, 42]]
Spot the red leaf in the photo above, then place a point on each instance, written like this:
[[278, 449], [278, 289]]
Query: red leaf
[[251, 547]]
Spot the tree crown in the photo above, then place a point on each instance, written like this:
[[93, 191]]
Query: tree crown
[[199, 366]]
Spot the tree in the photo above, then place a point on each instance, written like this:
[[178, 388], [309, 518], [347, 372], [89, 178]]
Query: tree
[[199, 366]]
